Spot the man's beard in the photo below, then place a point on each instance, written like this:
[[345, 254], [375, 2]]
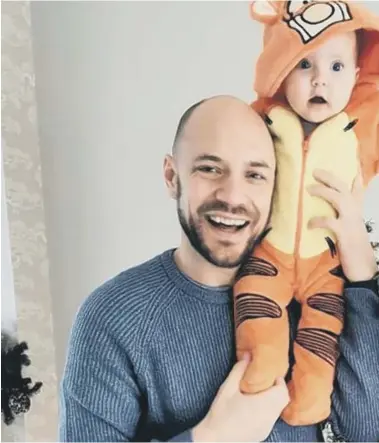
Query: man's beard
[[196, 239]]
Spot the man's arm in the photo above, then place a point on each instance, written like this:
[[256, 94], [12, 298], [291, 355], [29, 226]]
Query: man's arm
[[100, 399], [355, 412]]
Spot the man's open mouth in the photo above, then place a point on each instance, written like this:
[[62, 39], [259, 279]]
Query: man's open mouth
[[227, 224], [318, 100]]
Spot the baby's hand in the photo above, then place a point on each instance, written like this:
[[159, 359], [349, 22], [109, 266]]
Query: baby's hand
[[353, 243]]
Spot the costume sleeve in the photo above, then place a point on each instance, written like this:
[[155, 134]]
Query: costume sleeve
[[100, 399], [355, 413]]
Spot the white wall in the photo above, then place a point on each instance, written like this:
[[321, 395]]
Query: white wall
[[112, 81]]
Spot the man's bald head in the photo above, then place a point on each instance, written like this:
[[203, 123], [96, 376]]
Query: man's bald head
[[210, 113], [182, 124], [222, 177]]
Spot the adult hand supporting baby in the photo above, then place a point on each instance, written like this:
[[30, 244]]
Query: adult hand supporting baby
[[356, 253], [234, 416]]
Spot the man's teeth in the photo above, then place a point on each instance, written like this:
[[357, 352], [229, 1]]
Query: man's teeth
[[227, 221]]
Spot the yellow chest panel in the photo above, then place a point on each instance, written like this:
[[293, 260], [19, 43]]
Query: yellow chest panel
[[331, 148]]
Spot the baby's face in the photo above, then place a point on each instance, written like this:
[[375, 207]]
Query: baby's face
[[320, 86]]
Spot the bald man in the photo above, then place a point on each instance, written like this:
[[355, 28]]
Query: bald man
[[152, 356], [222, 177]]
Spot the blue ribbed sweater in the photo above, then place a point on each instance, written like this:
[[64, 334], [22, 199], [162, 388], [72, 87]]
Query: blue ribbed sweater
[[150, 348]]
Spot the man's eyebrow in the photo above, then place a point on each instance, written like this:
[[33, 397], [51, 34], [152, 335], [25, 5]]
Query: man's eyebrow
[[215, 158], [212, 158], [259, 164]]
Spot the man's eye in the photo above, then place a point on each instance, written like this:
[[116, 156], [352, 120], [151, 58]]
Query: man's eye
[[208, 169], [304, 64], [256, 177], [337, 66]]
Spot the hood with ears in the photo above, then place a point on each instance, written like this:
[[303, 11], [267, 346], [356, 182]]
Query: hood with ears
[[293, 29]]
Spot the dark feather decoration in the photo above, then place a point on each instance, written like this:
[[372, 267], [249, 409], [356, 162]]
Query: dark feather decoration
[[16, 390]]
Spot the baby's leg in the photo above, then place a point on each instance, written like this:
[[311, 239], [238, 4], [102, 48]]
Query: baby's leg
[[316, 347], [262, 291]]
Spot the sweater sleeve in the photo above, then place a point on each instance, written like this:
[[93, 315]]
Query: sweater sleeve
[[355, 413], [100, 399]]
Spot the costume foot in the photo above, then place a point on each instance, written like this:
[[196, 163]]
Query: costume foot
[[310, 403]]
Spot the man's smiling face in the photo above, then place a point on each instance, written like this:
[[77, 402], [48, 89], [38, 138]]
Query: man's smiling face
[[225, 180]]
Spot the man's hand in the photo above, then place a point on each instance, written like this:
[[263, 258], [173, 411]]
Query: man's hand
[[235, 416], [356, 253]]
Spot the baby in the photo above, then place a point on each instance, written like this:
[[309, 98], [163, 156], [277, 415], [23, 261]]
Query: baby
[[317, 82], [321, 85]]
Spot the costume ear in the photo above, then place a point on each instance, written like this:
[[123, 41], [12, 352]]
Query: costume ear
[[265, 11]]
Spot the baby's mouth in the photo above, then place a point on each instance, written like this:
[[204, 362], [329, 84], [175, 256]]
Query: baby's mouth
[[318, 100]]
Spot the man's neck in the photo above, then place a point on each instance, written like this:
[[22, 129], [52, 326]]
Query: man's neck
[[191, 263]]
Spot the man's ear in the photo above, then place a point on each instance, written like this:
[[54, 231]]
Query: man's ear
[[265, 11], [170, 176]]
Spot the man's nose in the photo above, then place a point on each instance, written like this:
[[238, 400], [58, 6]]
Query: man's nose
[[232, 192]]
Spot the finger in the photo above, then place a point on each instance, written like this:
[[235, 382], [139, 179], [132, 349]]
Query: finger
[[328, 194], [330, 180], [232, 382], [276, 397], [324, 223]]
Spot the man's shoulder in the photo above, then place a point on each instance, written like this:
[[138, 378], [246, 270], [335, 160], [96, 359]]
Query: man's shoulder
[[138, 278], [117, 315], [127, 293]]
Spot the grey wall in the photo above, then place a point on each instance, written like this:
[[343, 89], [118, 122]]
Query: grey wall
[[8, 301]]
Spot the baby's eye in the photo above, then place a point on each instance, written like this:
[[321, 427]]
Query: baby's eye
[[304, 64], [337, 66]]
